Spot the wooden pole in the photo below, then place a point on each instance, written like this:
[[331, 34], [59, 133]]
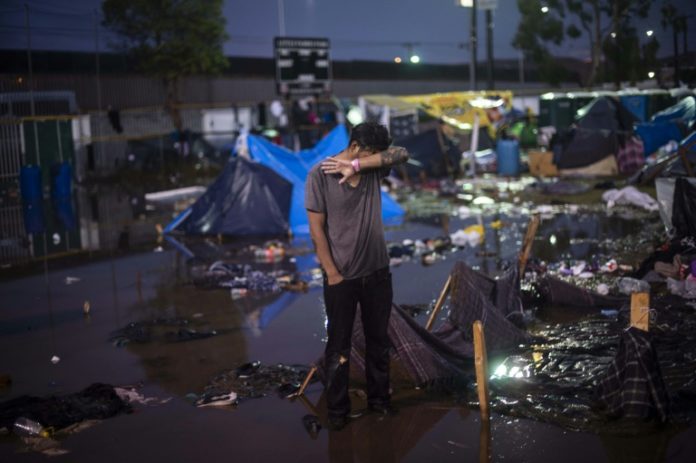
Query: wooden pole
[[440, 302], [485, 440], [528, 241], [481, 362], [640, 311], [306, 381]]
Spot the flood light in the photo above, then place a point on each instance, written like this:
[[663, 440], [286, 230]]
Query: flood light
[[415, 59]]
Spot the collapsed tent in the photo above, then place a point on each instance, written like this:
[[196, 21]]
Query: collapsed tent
[[601, 129], [446, 355], [670, 124], [231, 205], [431, 154], [285, 206]]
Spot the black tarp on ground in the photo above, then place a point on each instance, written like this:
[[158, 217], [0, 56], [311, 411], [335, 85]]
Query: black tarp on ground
[[246, 199], [684, 208], [600, 130], [430, 153]]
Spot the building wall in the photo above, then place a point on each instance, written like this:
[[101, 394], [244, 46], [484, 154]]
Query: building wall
[[123, 91]]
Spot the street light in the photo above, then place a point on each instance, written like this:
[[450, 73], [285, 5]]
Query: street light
[[544, 9], [651, 75], [649, 33], [613, 35], [397, 60], [415, 59]]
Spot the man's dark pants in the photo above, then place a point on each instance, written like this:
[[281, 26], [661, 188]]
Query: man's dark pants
[[374, 294]]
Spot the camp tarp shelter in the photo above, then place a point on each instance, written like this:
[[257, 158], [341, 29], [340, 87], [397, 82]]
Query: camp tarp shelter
[[430, 152], [667, 125], [294, 168], [459, 108], [599, 129], [231, 205]]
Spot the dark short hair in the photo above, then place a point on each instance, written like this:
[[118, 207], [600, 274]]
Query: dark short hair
[[371, 136]]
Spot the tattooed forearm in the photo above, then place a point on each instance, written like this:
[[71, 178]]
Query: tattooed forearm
[[394, 156]]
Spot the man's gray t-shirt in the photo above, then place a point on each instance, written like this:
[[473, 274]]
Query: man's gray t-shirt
[[353, 220]]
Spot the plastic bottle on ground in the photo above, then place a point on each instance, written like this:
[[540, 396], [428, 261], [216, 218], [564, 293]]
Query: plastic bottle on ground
[[29, 428], [629, 286]]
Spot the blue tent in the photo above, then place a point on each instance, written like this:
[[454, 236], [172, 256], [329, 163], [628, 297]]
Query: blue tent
[[294, 168]]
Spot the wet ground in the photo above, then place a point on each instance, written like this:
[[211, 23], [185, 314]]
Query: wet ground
[[42, 315]]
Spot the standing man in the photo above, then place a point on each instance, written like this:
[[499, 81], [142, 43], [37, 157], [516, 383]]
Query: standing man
[[344, 205]]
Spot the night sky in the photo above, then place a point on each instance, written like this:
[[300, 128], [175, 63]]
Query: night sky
[[358, 29]]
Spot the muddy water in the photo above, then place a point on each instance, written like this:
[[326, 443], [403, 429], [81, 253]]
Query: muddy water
[[42, 316]]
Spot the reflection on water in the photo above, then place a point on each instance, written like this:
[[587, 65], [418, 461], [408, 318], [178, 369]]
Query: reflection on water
[[288, 327]]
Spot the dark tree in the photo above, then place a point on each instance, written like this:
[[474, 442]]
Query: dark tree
[[170, 39], [596, 21]]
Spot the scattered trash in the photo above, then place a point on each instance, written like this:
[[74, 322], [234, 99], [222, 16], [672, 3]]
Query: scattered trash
[[220, 400], [24, 427], [71, 280], [471, 236], [684, 288], [628, 286], [254, 380], [311, 425], [130, 395], [86, 307], [603, 289]]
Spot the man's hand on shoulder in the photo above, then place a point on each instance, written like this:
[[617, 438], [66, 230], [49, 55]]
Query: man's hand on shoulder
[[338, 166]]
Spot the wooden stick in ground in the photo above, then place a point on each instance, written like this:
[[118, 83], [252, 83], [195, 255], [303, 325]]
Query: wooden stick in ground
[[640, 311], [439, 303], [528, 241], [485, 441], [306, 381], [481, 363]]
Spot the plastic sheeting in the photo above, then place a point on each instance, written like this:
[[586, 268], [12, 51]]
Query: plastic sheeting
[[684, 209], [294, 167], [432, 153]]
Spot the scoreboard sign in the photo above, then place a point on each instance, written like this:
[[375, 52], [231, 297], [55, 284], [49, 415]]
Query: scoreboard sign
[[303, 66]]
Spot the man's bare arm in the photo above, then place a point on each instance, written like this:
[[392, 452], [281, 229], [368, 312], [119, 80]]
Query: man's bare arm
[[317, 221], [390, 157]]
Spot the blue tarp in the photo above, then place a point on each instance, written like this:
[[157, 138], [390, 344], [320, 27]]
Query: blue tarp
[[295, 166], [667, 125]]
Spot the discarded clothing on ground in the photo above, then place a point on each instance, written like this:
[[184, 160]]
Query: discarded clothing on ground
[[161, 329], [98, 401], [629, 196], [238, 276], [633, 387]]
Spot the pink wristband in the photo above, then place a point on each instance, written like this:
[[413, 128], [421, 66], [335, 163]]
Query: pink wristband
[[356, 164]]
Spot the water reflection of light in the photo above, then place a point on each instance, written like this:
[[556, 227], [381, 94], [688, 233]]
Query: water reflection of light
[[513, 367]]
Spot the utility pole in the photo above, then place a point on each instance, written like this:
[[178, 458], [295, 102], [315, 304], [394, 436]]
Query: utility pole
[[474, 46], [281, 17], [489, 49]]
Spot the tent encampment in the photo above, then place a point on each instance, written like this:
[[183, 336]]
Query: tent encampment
[[288, 166]]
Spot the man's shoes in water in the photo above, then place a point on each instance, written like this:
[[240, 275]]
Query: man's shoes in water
[[383, 410], [336, 423]]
